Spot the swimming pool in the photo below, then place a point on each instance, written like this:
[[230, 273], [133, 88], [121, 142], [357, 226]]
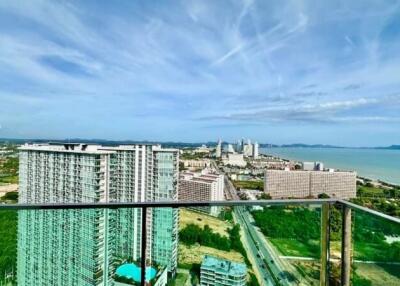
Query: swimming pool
[[132, 271]]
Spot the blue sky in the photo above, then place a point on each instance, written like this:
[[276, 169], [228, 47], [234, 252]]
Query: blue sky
[[275, 71]]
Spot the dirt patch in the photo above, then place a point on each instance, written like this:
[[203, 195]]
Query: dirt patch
[[191, 217], [378, 274], [8, 188], [194, 254]]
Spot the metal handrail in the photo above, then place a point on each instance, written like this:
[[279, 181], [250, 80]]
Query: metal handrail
[[165, 204], [183, 204], [368, 210]]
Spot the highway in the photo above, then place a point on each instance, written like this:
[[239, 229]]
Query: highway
[[271, 267], [254, 256]]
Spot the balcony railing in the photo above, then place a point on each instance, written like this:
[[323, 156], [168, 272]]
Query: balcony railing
[[276, 242]]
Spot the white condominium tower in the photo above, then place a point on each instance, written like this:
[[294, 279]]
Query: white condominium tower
[[82, 247], [218, 149], [255, 151]]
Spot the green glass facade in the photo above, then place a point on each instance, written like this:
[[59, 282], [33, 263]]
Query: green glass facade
[[63, 247], [83, 247]]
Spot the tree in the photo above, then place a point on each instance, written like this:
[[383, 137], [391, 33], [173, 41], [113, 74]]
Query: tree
[[264, 196], [323, 196]]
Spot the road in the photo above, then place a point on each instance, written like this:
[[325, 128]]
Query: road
[[268, 262]]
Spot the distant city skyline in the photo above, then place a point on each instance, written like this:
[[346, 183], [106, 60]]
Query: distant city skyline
[[196, 71]]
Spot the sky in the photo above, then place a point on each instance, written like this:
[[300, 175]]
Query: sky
[[194, 71]]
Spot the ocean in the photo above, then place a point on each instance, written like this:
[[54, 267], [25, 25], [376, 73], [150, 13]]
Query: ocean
[[371, 163]]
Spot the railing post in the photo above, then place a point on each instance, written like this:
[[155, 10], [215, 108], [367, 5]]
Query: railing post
[[143, 249], [324, 279], [346, 246]]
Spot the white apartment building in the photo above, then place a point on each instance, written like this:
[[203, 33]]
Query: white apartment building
[[218, 149], [248, 150], [202, 186], [196, 164], [255, 150], [234, 160], [312, 166], [300, 184]]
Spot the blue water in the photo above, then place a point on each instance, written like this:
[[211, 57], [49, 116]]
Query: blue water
[[132, 271], [371, 163]]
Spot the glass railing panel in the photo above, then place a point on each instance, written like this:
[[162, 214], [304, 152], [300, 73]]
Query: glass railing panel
[[162, 246], [70, 246], [65, 247], [8, 246], [287, 241], [126, 238], [241, 245], [335, 244], [376, 250]]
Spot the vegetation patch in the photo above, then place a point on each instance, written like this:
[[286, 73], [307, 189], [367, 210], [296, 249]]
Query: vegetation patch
[[8, 243], [294, 231], [218, 225], [293, 247], [251, 185], [9, 170]]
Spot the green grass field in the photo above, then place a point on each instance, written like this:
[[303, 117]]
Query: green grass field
[[370, 191], [8, 242], [9, 179], [252, 185], [372, 251], [180, 279], [291, 247]]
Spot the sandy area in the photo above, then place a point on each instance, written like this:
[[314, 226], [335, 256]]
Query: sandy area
[[195, 254], [8, 188], [217, 225]]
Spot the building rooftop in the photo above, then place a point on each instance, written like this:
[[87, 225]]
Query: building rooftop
[[66, 148], [224, 266]]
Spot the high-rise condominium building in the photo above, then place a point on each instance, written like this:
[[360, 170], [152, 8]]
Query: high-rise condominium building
[[255, 150], [202, 187], [230, 148], [216, 272], [248, 149], [147, 173], [81, 247], [300, 184], [218, 149]]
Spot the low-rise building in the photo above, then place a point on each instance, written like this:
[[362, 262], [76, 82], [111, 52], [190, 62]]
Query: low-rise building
[[202, 149], [215, 272], [202, 186], [312, 166], [300, 184], [196, 164], [234, 160]]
